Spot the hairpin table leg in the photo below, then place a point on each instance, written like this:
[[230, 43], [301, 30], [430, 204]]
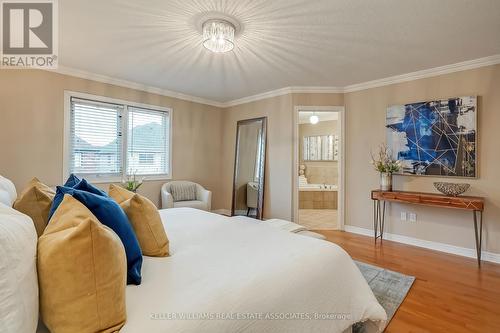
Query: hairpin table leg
[[378, 219], [478, 233], [382, 222]]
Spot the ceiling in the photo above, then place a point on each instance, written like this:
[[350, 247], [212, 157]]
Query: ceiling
[[322, 115], [283, 43]]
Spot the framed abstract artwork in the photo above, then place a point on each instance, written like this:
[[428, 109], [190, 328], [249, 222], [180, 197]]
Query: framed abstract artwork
[[435, 138]]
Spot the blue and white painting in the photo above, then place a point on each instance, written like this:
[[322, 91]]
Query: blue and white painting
[[436, 138]]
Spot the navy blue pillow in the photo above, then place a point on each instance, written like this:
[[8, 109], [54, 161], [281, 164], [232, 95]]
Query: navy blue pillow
[[83, 185], [109, 213], [72, 181]]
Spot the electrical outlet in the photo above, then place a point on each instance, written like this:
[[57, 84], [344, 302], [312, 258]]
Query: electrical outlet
[[413, 217], [403, 216]]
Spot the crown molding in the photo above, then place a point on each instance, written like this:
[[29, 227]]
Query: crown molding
[[426, 73], [317, 90], [258, 97], [284, 91], [133, 85]]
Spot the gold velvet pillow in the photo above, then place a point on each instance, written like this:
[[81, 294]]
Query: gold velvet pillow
[[82, 272], [35, 201], [145, 219]]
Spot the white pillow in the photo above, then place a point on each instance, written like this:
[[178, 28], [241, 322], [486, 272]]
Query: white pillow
[[18, 275], [5, 198], [8, 186]]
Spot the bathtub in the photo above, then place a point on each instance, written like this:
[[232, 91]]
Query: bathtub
[[318, 187], [318, 196]]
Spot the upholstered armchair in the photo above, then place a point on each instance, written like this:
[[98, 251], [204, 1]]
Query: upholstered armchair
[[185, 194]]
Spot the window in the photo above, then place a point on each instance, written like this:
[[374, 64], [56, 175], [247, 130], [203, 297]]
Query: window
[[320, 148], [146, 158], [147, 149], [110, 139], [96, 137]]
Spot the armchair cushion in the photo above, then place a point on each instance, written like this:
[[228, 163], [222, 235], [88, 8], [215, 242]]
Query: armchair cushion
[[183, 191], [198, 204], [202, 197]]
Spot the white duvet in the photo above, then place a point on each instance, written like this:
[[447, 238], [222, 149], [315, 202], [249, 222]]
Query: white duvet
[[227, 275]]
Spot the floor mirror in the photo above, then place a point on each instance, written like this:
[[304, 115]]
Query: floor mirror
[[249, 165]]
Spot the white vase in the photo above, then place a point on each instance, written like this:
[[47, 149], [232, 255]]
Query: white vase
[[385, 181]]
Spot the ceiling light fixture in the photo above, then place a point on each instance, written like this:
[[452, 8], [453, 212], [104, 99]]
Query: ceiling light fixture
[[314, 119], [218, 35]]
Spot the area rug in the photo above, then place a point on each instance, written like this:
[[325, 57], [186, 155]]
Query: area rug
[[390, 288]]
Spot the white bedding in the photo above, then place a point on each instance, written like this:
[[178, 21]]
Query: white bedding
[[224, 267]]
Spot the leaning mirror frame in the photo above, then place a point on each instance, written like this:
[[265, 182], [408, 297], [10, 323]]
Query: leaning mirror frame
[[252, 189]]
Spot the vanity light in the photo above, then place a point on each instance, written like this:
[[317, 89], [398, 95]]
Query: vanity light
[[218, 36], [314, 119]]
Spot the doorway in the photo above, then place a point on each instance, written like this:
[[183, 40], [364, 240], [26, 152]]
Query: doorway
[[318, 167]]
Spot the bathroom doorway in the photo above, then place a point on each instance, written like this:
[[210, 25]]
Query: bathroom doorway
[[318, 180]]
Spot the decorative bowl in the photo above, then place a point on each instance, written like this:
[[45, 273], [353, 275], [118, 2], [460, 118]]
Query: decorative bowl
[[452, 189]]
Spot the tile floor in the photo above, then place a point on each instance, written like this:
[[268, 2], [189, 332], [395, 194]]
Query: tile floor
[[318, 219]]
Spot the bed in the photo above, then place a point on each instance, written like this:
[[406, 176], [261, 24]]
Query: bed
[[238, 275], [224, 275]]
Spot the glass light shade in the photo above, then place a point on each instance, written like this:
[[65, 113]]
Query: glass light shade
[[218, 36], [314, 119]]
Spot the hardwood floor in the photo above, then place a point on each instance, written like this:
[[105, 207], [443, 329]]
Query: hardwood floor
[[450, 293]]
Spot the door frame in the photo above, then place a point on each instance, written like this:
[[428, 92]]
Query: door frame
[[295, 160]]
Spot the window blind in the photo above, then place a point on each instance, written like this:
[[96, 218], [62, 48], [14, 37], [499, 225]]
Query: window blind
[[96, 137], [148, 139]]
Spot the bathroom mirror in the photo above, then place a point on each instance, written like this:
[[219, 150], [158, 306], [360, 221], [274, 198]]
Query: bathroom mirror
[[250, 160]]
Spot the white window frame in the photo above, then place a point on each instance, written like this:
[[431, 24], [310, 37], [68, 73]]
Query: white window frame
[[105, 178]]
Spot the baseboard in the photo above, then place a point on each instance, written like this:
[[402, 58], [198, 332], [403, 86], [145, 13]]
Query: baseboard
[[226, 212], [461, 251]]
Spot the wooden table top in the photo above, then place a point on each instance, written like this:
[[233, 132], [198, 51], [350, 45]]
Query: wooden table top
[[430, 199]]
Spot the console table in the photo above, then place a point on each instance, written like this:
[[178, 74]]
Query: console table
[[472, 204]]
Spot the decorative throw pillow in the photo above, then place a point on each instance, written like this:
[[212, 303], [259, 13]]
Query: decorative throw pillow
[[145, 219], [109, 213], [81, 272], [83, 185], [35, 201], [5, 198], [8, 186], [18, 279], [72, 181], [183, 191]]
